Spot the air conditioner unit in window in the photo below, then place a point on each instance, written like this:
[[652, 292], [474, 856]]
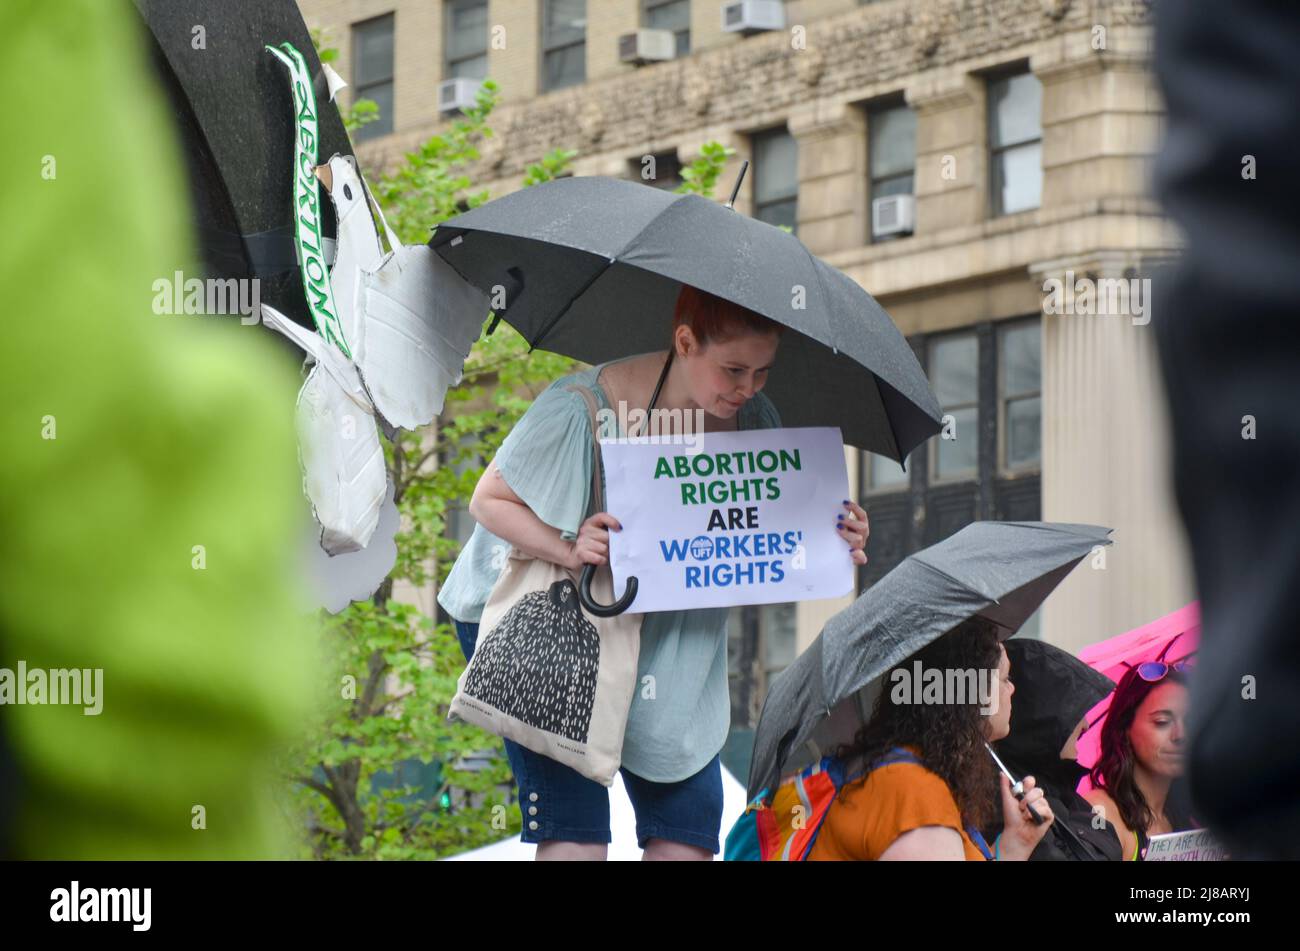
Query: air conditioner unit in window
[[454, 94], [753, 16], [893, 214], [647, 46]]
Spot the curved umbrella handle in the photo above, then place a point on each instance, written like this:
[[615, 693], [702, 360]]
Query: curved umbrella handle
[[590, 604]]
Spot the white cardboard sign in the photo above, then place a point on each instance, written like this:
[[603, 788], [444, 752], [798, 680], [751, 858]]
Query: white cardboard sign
[[1194, 845], [733, 518]]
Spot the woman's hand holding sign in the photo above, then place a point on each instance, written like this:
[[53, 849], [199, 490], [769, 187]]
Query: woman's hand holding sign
[[855, 530], [591, 547]]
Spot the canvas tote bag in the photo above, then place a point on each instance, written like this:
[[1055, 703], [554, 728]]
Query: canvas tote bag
[[546, 674]]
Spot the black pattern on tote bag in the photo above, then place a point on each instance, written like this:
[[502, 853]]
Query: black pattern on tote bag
[[540, 663]]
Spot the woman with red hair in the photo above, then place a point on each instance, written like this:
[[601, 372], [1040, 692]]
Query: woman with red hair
[[534, 495]]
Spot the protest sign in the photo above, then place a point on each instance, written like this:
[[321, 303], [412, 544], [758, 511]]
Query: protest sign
[[1194, 845], [733, 518]]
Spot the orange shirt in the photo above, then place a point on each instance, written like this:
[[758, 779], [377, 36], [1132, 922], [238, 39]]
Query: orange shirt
[[868, 816]]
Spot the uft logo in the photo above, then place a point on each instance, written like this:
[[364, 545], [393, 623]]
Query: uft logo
[[702, 548]]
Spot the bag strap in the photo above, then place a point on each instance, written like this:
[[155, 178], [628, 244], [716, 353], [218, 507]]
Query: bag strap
[[896, 755], [597, 486]]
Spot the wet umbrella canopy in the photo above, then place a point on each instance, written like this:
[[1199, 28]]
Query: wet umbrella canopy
[[1001, 571], [591, 268], [234, 114]]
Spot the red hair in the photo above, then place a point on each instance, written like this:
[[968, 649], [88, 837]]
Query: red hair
[[712, 318]]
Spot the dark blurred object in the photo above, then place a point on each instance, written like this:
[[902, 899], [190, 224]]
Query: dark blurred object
[[1226, 325]]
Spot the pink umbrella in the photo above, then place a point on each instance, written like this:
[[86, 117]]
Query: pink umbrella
[[1113, 658]]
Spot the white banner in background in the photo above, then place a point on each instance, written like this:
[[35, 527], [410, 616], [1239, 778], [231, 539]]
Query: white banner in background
[[737, 518]]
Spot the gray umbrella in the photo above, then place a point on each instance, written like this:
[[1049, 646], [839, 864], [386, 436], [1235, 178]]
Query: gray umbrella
[[591, 268], [1001, 571]]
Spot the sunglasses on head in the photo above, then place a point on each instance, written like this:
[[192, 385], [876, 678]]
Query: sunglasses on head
[[1153, 671], [1156, 670]]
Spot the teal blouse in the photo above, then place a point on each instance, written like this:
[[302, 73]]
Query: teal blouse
[[546, 461]]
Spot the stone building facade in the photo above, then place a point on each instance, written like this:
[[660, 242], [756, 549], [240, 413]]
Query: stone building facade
[[1023, 131]]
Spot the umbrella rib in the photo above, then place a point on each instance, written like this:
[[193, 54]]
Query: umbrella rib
[[889, 423]]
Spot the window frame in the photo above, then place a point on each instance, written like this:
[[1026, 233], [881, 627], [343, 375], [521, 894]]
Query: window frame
[[919, 513], [375, 130], [755, 139], [546, 50], [932, 475], [1006, 74], [874, 181], [448, 61], [644, 17], [670, 155], [1004, 470]]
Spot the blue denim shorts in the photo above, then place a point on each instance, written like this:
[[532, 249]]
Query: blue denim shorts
[[559, 803]]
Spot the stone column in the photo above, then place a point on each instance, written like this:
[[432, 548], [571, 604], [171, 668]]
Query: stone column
[[1105, 462]]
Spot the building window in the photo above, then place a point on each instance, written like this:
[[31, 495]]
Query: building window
[[466, 33], [989, 378], [1015, 142], [372, 74], [776, 178], [665, 171], [954, 371], [564, 43], [1020, 410], [891, 154], [672, 15]]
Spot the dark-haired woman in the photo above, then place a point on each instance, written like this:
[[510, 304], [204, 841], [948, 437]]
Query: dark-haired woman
[[925, 792], [1143, 746], [535, 496]]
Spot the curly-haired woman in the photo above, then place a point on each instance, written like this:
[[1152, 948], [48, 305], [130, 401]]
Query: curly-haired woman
[[925, 792]]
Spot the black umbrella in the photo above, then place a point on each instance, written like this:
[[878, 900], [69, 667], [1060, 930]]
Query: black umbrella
[[234, 114], [1001, 571], [591, 268]]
